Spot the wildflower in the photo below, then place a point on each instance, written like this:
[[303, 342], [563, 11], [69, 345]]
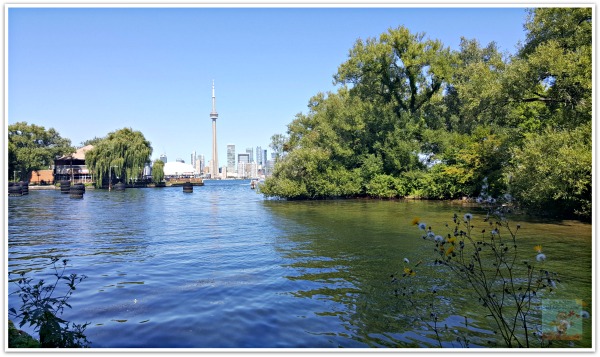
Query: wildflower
[[406, 260], [415, 221], [450, 250], [422, 226], [451, 240], [408, 272], [540, 257], [468, 217], [439, 239], [585, 314], [495, 231], [538, 248], [430, 234]]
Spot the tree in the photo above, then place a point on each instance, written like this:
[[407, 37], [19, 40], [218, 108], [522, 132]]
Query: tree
[[552, 172], [400, 68], [122, 153], [158, 172], [32, 147], [554, 66]]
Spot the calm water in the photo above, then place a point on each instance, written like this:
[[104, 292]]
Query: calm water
[[223, 267]]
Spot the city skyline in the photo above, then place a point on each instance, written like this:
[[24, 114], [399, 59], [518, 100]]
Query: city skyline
[[89, 71]]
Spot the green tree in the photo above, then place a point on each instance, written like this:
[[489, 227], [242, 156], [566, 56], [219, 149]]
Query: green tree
[[554, 66], [399, 68], [122, 153], [32, 147], [158, 171], [552, 172]]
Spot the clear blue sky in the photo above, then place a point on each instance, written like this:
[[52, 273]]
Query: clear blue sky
[[89, 71]]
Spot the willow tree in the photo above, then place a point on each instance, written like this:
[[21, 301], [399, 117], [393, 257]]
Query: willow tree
[[122, 153], [158, 171]]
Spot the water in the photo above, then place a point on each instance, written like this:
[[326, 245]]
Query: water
[[224, 268]]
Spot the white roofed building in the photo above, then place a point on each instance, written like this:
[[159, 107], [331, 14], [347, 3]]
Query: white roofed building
[[178, 169]]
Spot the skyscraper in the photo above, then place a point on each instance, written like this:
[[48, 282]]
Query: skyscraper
[[259, 155], [214, 171], [250, 152], [231, 158]]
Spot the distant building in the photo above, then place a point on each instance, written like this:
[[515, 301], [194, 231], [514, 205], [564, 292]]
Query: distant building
[[250, 152], [243, 158], [230, 158], [180, 160], [259, 160], [163, 158]]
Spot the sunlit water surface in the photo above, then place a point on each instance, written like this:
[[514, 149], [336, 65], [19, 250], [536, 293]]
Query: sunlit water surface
[[223, 267]]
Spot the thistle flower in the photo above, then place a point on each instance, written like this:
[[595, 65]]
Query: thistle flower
[[415, 221], [422, 226], [540, 257], [468, 217]]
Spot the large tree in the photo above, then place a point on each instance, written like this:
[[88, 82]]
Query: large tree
[[32, 147], [400, 68], [122, 153]]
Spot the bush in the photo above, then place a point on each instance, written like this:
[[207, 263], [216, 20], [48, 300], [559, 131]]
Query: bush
[[41, 309]]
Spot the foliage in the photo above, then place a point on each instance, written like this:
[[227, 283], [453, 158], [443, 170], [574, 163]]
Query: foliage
[[552, 172], [491, 265], [32, 147], [124, 153], [41, 309], [158, 172], [20, 339], [413, 118]]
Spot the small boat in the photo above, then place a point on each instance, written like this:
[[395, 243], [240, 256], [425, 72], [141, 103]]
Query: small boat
[[253, 184]]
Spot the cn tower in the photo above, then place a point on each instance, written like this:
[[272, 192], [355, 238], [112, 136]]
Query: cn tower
[[214, 170]]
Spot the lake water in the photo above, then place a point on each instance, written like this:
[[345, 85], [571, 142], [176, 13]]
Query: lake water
[[224, 268]]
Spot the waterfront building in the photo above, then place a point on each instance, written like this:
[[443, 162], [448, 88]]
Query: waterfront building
[[230, 158], [250, 152], [213, 116], [72, 167]]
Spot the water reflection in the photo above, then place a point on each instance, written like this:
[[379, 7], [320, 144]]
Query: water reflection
[[347, 251]]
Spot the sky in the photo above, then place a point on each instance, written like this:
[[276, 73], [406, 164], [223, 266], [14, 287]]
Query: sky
[[89, 71]]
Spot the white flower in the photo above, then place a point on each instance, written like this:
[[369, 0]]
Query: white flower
[[585, 314], [540, 257], [439, 239], [406, 260], [468, 217], [430, 234], [422, 226], [494, 231]]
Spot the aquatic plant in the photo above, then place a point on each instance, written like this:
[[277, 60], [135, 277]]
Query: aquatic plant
[[42, 309], [488, 264]]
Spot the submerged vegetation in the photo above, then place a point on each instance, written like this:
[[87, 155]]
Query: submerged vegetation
[[509, 278], [413, 118]]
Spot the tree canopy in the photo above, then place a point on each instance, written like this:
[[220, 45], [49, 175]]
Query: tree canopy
[[32, 147], [122, 153], [413, 118]]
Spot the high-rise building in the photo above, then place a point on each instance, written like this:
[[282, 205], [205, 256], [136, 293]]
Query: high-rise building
[[231, 158], [250, 152], [243, 158], [264, 157], [214, 115], [259, 160], [163, 158]]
